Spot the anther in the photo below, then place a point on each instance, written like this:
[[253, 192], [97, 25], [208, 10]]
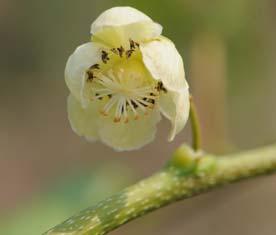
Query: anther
[[90, 75], [160, 87], [117, 119], [132, 44], [105, 57], [98, 96], [121, 51], [103, 113], [129, 53], [134, 104], [94, 66]]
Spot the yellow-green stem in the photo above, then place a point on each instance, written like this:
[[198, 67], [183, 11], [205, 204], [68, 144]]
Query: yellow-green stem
[[186, 175]]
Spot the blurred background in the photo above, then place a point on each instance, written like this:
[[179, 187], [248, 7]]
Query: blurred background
[[47, 173]]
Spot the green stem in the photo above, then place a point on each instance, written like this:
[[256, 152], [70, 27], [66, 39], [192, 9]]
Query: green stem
[[195, 125], [186, 175]]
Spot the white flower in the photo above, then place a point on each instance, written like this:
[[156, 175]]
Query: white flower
[[123, 79]]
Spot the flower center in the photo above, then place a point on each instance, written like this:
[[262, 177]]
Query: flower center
[[123, 84]]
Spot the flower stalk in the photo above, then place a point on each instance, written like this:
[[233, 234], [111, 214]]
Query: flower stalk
[[187, 174], [195, 125]]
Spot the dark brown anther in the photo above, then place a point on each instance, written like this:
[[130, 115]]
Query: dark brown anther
[[132, 44], [90, 75], [129, 53], [122, 109], [105, 57], [160, 87], [121, 51], [95, 66], [164, 89], [134, 104], [109, 96], [99, 98]]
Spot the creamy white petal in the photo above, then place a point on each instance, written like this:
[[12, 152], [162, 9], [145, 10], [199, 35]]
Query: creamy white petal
[[83, 121], [164, 63], [75, 71], [118, 16], [175, 106], [132, 135], [117, 25]]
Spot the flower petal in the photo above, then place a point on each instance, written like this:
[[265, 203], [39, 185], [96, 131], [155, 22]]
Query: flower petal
[[164, 63], [83, 121], [75, 71], [131, 135], [118, 16], [117, 25], [175, 106]]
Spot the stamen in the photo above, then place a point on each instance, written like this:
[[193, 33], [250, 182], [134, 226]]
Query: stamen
[[129, 53], [108, 82], [160, 87], [125, 112], [105, 57], [145, 95], [111, 87], [90, 75], [134, 104], [118, 112], [109, 105], [121, 51], [140, 106], [132, 44], [145, 103], [95, 66], [132, 108], [100, 96]]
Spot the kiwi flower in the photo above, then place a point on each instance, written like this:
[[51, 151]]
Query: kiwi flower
[[123, 79]]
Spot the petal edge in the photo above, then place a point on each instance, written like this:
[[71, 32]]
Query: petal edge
[[132, 135], [83, 121], [82, 58], [175, 106], [164, 63], [118, 16]]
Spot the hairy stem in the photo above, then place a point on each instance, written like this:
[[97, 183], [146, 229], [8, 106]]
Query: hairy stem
[[187, 174]]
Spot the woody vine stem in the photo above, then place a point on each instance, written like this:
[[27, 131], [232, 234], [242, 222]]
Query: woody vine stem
[[188, 173]]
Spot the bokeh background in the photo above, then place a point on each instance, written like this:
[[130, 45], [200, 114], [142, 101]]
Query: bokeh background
[[48, 173]]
